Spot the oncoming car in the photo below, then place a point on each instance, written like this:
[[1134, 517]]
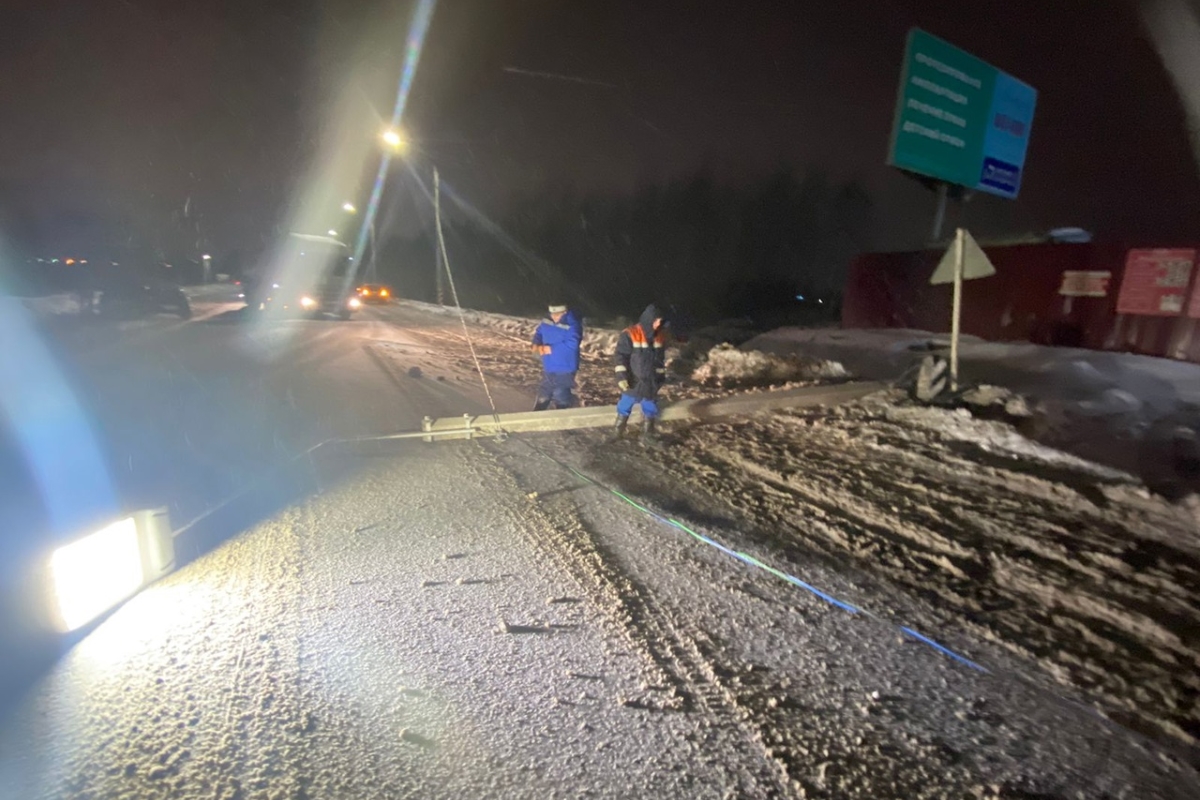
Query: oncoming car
[[374, 293]]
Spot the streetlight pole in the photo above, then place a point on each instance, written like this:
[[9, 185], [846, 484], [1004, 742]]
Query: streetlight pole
[[399, 144]]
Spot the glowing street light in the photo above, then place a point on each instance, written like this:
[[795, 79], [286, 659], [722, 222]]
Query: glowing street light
[[332, 232], [395, 140], [349, 208]]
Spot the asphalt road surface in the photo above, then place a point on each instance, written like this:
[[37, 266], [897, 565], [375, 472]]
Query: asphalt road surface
[[469, 619]]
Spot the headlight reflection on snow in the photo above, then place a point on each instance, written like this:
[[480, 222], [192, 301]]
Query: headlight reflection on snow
[[176, 606]]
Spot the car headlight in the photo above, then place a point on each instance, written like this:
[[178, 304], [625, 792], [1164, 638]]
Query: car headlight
[[384, 293], [307, 302], [355, 302]]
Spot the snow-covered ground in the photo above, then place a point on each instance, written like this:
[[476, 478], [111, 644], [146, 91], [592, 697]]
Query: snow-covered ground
[[473, 619], [1071, 565], [1138, 413]]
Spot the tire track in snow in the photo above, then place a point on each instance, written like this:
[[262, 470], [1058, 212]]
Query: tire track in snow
[[682, 678]]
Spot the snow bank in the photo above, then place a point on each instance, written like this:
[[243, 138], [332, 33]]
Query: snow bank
[[728, 366], [596, 340], [1124, 410]]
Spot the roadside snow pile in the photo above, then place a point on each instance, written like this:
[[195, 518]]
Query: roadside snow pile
[[728, 366], [596, 341], [986, 398], [1136, 413], [54, 305], [997, 438]]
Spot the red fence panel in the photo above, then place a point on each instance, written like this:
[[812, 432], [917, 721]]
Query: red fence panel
[[1023, 301]]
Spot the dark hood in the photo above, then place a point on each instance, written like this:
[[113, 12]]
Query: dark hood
[[647, 319]]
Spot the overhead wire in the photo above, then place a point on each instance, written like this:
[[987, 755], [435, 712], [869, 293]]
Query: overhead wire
[[462, 317]]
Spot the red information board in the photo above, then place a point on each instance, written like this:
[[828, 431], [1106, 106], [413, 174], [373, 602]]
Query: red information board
[[1193, 309], [1089, 283], [1156, 282]]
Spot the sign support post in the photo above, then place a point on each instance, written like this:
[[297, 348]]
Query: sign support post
[[956, 313], [964, 260], [939, 216]]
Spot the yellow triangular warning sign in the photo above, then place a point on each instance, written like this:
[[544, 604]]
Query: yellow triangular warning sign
[[975, 262]]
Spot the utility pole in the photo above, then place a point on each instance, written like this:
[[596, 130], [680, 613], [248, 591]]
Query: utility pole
[[437, 210]]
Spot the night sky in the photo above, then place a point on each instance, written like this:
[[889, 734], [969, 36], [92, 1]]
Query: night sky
[[227, 118]]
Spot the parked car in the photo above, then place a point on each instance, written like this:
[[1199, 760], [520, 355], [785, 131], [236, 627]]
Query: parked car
[[132, 295]]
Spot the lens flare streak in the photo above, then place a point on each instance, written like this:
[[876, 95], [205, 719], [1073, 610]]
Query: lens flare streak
[[417, 30]]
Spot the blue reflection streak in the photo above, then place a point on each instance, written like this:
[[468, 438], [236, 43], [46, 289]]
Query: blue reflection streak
[[51, 428]]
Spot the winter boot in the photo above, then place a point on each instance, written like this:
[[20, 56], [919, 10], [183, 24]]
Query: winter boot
[[619, 428], [650, 436]]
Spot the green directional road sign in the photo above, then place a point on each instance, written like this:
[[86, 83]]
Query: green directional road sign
[[959, 119]]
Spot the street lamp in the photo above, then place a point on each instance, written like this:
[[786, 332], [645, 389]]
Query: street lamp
[[395, 140], [349, 208], [332, 232]]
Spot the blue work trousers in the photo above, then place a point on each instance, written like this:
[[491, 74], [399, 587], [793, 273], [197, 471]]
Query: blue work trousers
[[557, 388], [628, 401]]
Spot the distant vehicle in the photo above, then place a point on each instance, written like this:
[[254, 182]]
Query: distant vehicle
[[133, 295], [375, 293], [317, 299], [308, 275]]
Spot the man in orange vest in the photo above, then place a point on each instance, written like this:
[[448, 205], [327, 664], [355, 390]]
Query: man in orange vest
[[640, 363]]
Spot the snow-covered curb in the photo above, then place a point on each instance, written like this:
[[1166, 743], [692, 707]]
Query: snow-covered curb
[[54, 305]]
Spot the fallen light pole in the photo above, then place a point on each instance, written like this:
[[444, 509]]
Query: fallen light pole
[[470, 426]]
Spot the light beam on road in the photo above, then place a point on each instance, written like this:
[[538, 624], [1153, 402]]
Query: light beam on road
[[51, 428]]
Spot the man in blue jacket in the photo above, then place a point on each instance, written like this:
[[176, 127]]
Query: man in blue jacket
[[557, 341]]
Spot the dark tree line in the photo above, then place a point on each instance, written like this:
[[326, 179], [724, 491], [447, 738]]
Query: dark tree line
[[710, 248]]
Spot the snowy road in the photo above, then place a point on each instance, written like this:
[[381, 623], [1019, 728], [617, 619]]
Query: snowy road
[[472, 620]]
